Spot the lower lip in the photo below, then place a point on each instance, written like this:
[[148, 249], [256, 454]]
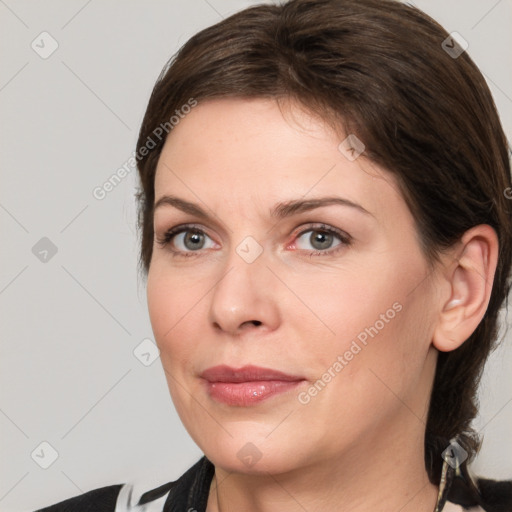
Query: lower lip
[[248, 393]]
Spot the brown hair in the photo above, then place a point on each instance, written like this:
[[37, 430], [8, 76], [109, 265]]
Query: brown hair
[[377, 69]]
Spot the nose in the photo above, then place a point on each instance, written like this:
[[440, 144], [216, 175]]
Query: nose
[[245, 297]]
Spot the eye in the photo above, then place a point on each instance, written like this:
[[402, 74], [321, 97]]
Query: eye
[[322, 238], [186, 239]]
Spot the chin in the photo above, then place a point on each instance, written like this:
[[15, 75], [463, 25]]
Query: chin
[[257, 454], [250, 464]]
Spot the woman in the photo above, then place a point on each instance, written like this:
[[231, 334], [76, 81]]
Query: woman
[[326, 236]]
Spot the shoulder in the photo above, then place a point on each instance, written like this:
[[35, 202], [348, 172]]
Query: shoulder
[[131, 496], [496, 494], [452, 507], [114, 498], [484, 495], [102, 499]]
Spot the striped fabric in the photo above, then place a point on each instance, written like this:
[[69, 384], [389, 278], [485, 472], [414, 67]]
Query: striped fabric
[[189, 493]]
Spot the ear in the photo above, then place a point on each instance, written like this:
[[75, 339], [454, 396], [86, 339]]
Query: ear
[[470, 281]]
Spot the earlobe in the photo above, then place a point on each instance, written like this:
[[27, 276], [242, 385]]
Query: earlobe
[[470, 280]]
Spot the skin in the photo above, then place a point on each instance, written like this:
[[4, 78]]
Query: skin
[[357, 445]]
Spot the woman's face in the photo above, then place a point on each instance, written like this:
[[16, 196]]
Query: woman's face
[[336, 295]]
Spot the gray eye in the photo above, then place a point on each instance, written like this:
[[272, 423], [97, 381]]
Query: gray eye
[[190, 240], [319, 239]]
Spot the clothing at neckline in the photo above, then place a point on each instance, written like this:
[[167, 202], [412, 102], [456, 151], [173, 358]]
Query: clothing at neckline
[[190, 493]]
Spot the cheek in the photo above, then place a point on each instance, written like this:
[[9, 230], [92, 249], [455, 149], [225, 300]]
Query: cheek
[[171, 305], [173, 309], [387, 357], [368, 318], [346, 305]]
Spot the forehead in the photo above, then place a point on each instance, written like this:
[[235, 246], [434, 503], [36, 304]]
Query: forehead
[[235, 150]]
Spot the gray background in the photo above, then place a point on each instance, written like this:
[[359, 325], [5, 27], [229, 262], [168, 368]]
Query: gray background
[[70, 324]]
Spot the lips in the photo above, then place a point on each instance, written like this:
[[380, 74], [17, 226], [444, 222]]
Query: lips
[[248, 385], [246, 374]]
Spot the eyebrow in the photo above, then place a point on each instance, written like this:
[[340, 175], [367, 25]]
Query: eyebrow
[[279, 211]]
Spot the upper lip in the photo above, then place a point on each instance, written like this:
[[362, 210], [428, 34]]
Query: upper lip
[[248, 373]]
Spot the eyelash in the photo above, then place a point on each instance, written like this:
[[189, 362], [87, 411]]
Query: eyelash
[[168, 236]]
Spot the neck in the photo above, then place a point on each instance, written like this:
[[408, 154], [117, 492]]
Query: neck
[[369, 477]]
